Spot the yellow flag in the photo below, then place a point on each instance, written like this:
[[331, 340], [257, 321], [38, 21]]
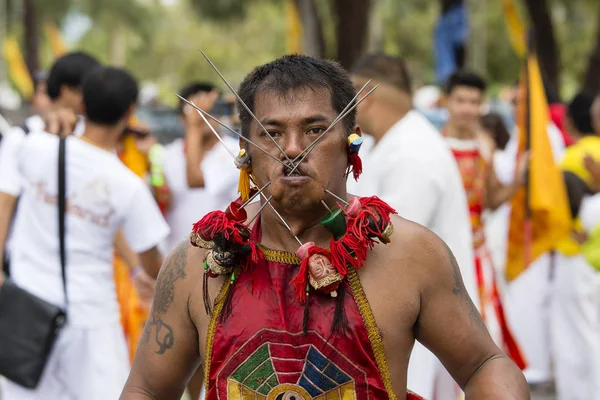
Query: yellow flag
[[55, 39], [516, 31], [294, 27], [17, 69], [548, 220]]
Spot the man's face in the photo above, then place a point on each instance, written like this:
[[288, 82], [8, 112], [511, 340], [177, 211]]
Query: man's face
[[596, 115], [294, 120], [464, 106]]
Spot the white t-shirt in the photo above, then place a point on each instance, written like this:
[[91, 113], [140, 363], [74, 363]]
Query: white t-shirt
[[103, 196], [412, 169], [9, 148], [189, 205]]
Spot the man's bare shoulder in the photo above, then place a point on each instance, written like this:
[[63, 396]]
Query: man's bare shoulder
[[180, 272], [415, 249]]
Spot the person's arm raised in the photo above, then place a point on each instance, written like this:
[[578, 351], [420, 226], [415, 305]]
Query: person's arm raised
[[168, 353], [452, 328]]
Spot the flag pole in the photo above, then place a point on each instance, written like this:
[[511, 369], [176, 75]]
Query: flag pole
[[528, 228]]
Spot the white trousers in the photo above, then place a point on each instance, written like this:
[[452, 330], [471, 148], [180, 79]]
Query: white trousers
[[528, 311], [85, 364], [575, 329]]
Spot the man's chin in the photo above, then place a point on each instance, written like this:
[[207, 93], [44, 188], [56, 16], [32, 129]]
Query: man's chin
[[294, 199]]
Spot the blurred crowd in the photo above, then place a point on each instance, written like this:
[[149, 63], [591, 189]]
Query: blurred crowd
[[450, 158]]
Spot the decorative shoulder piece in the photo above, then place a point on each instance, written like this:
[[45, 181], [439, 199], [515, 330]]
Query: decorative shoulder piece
[[228, 240], [354, 230]]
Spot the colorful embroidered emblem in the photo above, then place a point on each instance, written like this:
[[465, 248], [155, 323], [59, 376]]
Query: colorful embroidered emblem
[[276, 365]]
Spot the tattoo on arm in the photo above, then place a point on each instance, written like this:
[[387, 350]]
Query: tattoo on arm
[[173, 270], [459, 290]]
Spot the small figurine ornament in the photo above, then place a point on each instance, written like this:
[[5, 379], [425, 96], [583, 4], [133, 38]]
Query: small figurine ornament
[[317, 270]]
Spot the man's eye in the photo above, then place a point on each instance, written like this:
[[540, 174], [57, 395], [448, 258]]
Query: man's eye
[[316, 130], [271, 133]]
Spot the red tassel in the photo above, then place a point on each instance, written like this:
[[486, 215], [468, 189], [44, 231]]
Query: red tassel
[[380, 206], [349, 250], [301, 279], [212, 223], [255, 255], [372, 208], [356, 164]]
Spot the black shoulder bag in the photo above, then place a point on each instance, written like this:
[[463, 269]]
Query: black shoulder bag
[[29, 326]]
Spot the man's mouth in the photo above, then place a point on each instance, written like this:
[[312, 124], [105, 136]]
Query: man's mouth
[[292, 170]]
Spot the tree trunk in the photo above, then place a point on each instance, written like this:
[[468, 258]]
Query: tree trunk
[[313, 42], [376, 23], [545, 45], [117, 46], [32, 36], [352, 29], [592, 76]]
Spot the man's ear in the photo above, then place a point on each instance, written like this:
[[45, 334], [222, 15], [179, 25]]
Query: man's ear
[[357, 129]]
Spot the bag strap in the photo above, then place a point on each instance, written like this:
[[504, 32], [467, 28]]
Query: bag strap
[[62, 206]]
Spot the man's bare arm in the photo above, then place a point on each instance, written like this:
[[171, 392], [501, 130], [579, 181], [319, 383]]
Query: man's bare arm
[[168, 353], [452, 328]]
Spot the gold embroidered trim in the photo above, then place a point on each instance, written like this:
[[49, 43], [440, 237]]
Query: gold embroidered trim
[[328, 280], [372, 330], [198, 241], [212, 329], [279, 256]]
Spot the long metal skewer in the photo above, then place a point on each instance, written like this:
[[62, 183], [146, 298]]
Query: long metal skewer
[[201, 111], [341, 115], [316, 141], [282, 219], [245, 106]]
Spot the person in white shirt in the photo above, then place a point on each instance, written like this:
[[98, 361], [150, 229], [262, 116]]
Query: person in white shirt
[[219, 175], [89, 360], [63, 87], [200, 177], [410, 167], [465, 93]]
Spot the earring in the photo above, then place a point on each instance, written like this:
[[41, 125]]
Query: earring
[[243, 163], [354, 143]]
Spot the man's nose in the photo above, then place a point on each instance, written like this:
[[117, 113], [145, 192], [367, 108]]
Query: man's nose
[[293, 145]]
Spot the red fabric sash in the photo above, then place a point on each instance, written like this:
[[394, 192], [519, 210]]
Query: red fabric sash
[[260, 349]]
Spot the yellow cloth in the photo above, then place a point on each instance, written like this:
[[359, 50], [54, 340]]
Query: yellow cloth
[[573, 162], [133, 314], [591, 248], [548, 202], [514, 25], [575, 154], [294, 27], [17, 69], [55, 39]]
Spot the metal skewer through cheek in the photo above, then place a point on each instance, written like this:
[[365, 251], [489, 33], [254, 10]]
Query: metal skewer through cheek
[[202, 112], [268, 201], [244, 105], [333, 124]]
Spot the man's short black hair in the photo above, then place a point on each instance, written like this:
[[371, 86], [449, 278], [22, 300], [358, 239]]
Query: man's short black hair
[[580, 112], [385, 69], [69, 70], [194, 88], [297, 71], [465, 78], [108, 93]]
